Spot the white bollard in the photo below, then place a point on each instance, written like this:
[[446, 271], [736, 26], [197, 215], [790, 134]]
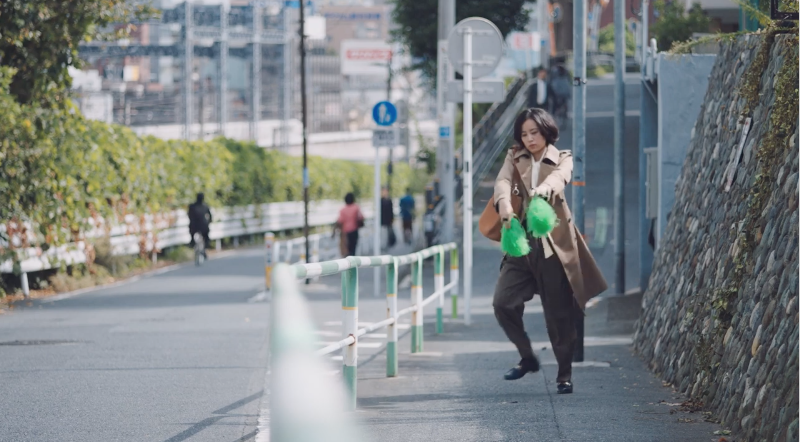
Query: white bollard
[[24, 282]]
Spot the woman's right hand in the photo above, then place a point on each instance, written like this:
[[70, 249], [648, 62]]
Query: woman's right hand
[[506, 211]]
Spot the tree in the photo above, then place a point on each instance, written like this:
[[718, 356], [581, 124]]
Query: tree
[[417, 22], [674, 25], [39, 39], [605, 41]]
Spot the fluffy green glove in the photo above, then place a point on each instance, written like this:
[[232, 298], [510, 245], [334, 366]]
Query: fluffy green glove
[[513, 240], [541, 218]]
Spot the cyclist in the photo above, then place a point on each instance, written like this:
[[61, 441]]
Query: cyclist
[[199, 220]]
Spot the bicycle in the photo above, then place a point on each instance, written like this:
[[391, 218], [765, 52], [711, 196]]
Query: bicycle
[[199, 249]]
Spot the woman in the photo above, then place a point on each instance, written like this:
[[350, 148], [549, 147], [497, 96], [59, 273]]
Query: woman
[[559, 267], [350, 220]]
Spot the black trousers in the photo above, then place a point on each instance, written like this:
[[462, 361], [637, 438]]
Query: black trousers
[[521, 278], [352, 242]]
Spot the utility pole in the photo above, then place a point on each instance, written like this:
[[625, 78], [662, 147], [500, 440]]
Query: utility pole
[[579, 136], [201, 88], [187, 71], [287, 79], [223, 69], [256, 90], [619, 153], [445, 114], [391, 149], [305, 127]]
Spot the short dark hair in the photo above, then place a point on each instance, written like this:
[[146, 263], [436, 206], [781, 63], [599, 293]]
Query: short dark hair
[[349, 198], [408, 190], [200, 197], [544, 121]]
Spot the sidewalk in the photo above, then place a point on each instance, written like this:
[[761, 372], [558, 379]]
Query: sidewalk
[[454, 390]]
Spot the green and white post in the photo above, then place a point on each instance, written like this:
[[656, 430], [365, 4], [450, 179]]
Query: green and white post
[[391, 312], [438, 285], [350, 310], [454, 277], [416, 299]]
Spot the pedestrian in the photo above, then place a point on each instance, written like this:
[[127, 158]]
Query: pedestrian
[[562, 89], [199, 220], [540, 94], [350, 220], [559, 267], [407, 213], [387, 217]]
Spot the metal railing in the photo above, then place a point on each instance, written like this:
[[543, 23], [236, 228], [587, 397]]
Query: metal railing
[[323, 245], [154, 233], [348, 267]]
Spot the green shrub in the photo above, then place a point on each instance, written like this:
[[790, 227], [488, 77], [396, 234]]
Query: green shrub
[[59, 170]]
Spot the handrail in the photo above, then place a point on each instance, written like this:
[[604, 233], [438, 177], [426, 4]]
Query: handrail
[[348, 267], [171, 229]]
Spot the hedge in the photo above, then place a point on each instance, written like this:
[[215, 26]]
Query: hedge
[[58, 169]]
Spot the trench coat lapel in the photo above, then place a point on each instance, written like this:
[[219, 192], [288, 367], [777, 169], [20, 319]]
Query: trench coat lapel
[[524, 162]]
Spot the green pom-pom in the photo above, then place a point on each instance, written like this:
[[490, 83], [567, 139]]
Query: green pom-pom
[[541, 218], [513, 240]]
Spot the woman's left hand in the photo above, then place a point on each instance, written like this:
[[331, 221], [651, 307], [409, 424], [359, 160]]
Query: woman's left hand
[[543, 191]]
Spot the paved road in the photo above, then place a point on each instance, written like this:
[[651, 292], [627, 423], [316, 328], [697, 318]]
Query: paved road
[[172, 357]]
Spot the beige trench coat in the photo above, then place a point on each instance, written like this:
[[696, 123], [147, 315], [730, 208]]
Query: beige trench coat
[[568, 244]]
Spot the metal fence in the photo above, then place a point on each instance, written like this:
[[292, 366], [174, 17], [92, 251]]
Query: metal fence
[[348, 268], [153, 233]]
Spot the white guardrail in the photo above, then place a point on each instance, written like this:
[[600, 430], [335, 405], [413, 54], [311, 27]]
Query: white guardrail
[[284, 286], [157, 232]]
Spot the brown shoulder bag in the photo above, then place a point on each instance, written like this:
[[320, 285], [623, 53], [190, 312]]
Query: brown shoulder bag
[[490, 223]]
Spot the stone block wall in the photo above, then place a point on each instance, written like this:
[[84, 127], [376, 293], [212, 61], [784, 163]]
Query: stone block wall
[[720, 316]]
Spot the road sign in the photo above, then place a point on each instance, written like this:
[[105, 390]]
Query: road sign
[[365, 57], [384, 137], [384, 113], [487, 46], [525, 41], [486, 91], [444, 132]]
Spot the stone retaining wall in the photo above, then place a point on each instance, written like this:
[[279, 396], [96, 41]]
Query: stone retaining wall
[[720, 317]]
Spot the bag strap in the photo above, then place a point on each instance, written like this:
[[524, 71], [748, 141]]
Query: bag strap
[[517, 179]]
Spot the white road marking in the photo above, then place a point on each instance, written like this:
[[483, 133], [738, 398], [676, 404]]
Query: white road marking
[[260, 297], [405, 283], [375, 335]]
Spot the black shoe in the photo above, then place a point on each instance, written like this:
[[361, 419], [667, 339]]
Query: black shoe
[[524, 366], [565, 387]]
